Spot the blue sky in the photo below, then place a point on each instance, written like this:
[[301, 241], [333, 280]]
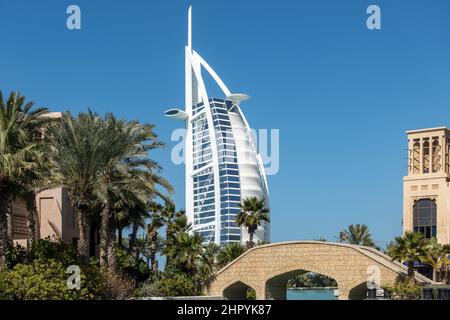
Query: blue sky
[[341, 95]]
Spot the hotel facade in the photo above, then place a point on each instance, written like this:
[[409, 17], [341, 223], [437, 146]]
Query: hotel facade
[[426, 188], [223, 166]]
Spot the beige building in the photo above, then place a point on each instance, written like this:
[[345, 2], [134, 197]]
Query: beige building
[[55, 217], [426, 188]]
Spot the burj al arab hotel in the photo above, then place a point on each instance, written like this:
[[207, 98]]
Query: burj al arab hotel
[[222, 163]]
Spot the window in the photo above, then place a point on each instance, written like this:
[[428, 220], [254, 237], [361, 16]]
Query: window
[[426, 156], [424, 217], [416, 156], [436, 165]]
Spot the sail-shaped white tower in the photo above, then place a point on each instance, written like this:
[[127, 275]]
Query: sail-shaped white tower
[[222, 163]]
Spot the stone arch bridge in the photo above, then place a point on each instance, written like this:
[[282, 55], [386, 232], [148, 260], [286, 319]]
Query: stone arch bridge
[[268, 268]]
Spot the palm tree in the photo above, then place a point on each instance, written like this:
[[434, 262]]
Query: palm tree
[[129, 210], [176, 222], [437, 258], [207, 264], [253, 213], [105, 160], [77, 149], [127, 164], [138, 216], [433, 256], [208, 258], [357, 234], [409, 248], [153, 235], [445, 264], [388, 248], [229, 253], [21, 157], [185, 252]]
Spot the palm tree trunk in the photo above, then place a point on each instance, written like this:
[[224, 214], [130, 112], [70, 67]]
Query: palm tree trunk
[[435, 275], [153, 261], [251, 240], [5, 221], [411, 271], [111, 254], [83, 247], [133, 236], [9, 226], [445, 275], [31, 218], [104, 235], [120, 236]]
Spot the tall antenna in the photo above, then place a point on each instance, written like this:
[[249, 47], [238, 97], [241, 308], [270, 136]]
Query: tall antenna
[[190, 28]]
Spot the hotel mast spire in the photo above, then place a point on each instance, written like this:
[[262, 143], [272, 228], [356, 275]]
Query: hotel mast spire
[[190, 28]]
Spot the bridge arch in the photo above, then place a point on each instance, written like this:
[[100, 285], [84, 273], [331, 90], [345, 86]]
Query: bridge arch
[[267, 268], [236, 291], [276, 282]]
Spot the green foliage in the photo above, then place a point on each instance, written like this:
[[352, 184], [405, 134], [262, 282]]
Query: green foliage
[[311, 280], [46, 280], [358, 234], [253, 213], [169, 284], [185, 252], [409, 248], [53, 249], [250, 294], [103, 161], [437, 257], [42, 249], [229, 253], [116, 286], [405, 290], [40, 273], [14, 255], [22, 161], [136, 269]]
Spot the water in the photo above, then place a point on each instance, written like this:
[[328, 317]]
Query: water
[[311, 294]]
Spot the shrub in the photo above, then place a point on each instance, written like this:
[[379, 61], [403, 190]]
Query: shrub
[[40, 274], [168, 284], [405, 290], [116, 286], [15, 255], [44, 249], [53, 248], [133, 268], [46, 280], [250, 294]]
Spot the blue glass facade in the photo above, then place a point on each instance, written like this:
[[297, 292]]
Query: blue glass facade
[[204, 189]]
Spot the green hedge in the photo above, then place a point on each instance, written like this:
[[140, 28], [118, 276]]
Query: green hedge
[[46, 280]]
